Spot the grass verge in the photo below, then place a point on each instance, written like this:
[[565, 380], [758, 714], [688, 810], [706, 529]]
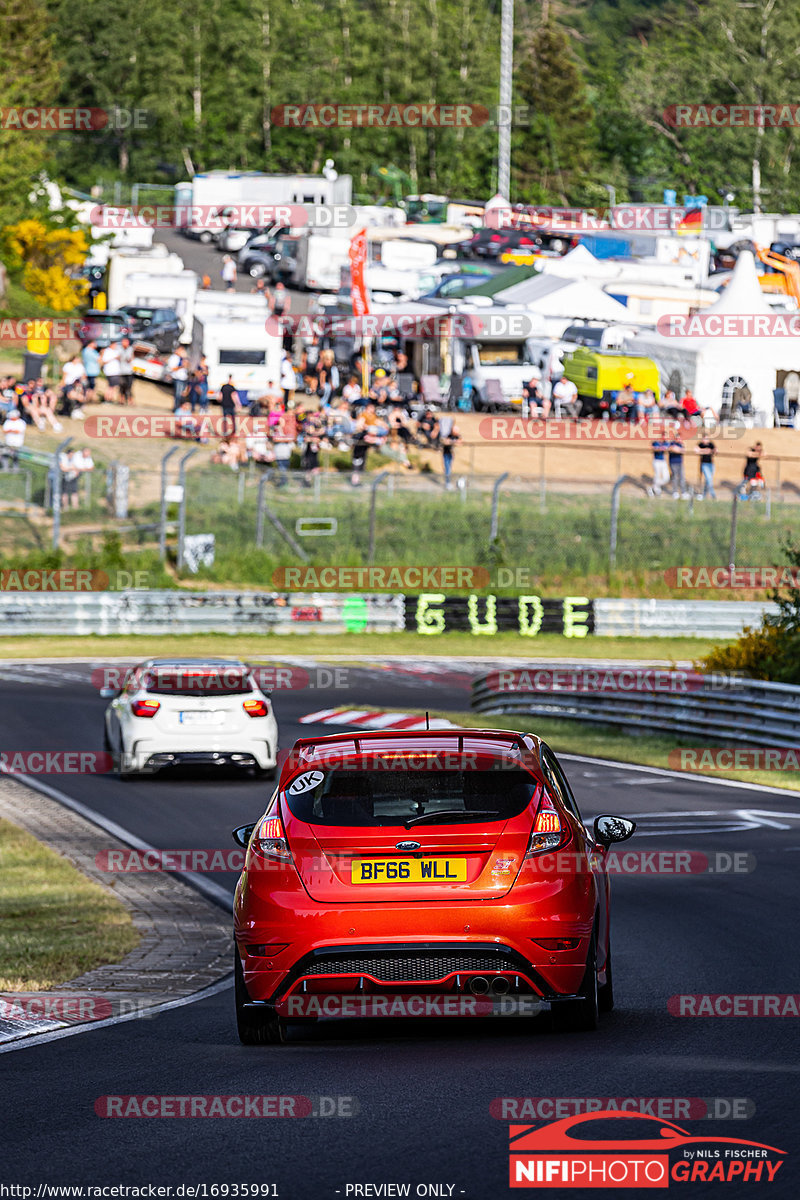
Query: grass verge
[[466, 645], [604, 741], [54, 922]]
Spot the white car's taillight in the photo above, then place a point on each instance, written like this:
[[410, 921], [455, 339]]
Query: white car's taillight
[[269, 841], [256, 708], [145, 708], [548, 831]]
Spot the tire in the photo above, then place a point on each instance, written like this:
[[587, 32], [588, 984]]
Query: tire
[[605, 994], [254, 1028], [579, 1016], [256, 270], [205, 237]]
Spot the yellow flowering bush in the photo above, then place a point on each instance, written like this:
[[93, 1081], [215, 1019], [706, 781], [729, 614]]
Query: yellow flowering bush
[[45, 256]]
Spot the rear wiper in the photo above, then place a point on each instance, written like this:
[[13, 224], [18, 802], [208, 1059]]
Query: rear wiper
[[455, 812]]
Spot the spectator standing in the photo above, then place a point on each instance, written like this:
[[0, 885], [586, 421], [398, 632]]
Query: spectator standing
[[229, 273], [660, 468], [707, 450], [288, 381], [752, 480], [90, 357], [70, 473], [231, 404], [178, 370], [110, 361], [675, 453], [126, 371], [13, 434], [447, 436]]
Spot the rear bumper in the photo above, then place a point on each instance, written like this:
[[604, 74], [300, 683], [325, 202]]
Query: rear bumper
[[234, 750], [393, 947]]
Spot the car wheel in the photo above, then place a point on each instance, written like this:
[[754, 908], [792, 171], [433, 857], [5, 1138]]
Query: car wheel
[[577, 1016], [206, 237], [605, 994], [256, 270], [254, 1028]]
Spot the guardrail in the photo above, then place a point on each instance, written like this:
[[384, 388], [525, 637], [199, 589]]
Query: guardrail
[[724, 709], [162, 612], [673, 618]]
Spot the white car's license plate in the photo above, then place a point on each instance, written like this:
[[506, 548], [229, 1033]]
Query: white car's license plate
[[202, 718]]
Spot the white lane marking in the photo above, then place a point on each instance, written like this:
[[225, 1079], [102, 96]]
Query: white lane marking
[[23, 1043]]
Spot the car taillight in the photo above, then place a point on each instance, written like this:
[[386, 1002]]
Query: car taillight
[[548, 832], [145, 708], [269, 840], [256, 708], [496, 237]]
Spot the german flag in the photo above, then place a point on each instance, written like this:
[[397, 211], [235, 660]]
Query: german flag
[[692, 221]]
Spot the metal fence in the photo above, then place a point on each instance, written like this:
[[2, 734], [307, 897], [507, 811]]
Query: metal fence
[[740, 710]]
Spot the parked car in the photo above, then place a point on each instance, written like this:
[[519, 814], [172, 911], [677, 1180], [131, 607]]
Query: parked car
[[104, 326], [392, 862], [491, 243], [161, 326], [455, 284]]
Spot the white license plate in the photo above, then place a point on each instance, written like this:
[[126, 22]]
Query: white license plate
[[202, 718]]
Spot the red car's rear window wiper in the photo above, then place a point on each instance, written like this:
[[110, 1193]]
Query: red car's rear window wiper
[[455, 812]]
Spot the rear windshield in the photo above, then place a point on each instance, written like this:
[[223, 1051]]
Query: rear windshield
[[397, 797], [197, 682]]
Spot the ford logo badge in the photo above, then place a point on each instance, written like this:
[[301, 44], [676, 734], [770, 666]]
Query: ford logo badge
[[407, 846]]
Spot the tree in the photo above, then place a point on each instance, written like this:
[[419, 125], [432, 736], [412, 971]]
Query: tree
[[558, 153], [29, 79]]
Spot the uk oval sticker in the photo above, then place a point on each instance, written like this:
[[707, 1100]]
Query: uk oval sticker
[[304, 783]]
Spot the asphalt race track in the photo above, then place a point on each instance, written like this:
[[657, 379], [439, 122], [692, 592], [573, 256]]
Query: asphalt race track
[[421, 1091]]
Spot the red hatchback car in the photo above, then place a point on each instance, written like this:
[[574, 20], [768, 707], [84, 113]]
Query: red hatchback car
[[399, 864]]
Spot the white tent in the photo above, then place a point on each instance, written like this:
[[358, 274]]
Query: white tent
[[563, 301], [714, 366]]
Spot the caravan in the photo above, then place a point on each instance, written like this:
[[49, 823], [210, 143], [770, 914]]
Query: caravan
[[235, 341]]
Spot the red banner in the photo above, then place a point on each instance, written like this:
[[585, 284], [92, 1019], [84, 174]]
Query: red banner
[[358, 257]]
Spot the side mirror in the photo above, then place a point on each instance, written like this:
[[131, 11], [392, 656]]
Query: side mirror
[[109, 693], [613, 829], [243, 834]]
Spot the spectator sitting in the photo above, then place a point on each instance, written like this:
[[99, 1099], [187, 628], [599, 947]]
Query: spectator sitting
[[230, 454], [187, 425], [650, 405], [626, 404], [351, 392], [690, 409]]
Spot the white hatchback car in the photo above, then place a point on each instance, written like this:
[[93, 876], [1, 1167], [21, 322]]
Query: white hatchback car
[[204, 712]]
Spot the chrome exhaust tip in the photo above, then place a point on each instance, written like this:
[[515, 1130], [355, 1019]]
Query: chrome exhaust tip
[[479, 985]]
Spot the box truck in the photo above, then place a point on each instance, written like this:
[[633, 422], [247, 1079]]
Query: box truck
[[235, 342]]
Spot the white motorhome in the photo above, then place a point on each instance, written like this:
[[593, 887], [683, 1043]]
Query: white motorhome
[[127, 261], [213, 191], [236, 343], [318, 259]]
